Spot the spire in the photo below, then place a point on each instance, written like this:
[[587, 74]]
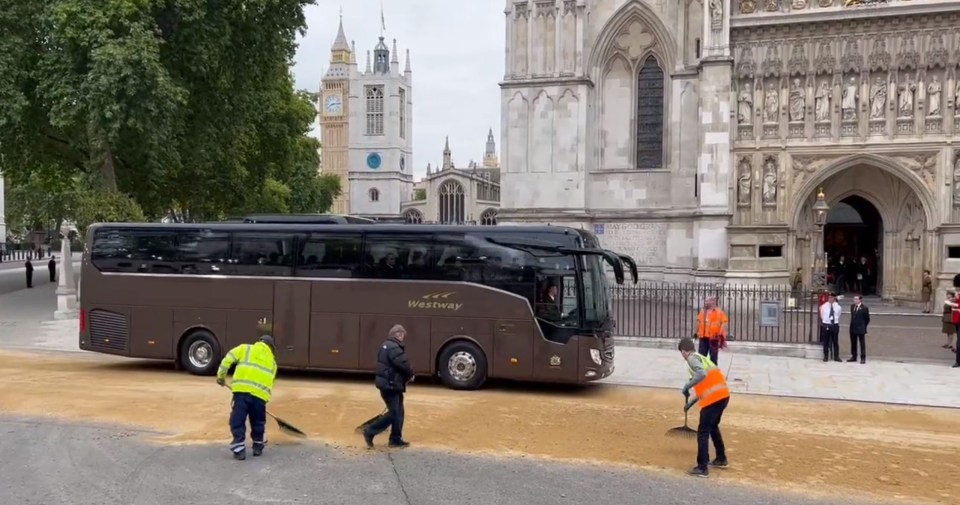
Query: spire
[[381, 58], [491, 144], [353, 52], [368, 61], [407, 65], [340, 44], [394, 59], [447, 158]]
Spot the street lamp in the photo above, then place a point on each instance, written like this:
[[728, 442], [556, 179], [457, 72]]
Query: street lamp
[[820, 211]]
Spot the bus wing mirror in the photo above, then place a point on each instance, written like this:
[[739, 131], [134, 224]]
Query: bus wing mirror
[[610, 258], [631, 264]]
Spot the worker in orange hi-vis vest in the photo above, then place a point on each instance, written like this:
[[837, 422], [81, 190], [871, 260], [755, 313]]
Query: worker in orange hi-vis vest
[[711, 329], [713, 395]]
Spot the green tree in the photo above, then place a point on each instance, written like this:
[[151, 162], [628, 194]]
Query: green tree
[[181, 107]]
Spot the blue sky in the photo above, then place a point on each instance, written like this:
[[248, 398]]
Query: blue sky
[[457, 54]]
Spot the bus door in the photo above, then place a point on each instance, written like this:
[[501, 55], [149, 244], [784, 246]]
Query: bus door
[[291, 322]]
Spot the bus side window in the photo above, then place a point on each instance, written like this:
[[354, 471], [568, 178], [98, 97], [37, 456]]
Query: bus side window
[[395, 256], [203, 252], [261, 254], [326, 255]]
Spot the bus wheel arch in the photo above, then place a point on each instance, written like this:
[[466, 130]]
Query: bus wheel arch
[[198, 351], [462, 364]]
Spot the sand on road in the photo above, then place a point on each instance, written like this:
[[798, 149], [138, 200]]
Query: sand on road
[[797, 445]]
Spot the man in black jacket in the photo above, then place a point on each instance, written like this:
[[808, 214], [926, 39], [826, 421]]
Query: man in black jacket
[[859, 319], [393, 374]]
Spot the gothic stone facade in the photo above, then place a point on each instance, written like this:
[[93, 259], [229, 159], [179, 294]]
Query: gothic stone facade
[[694, 135]]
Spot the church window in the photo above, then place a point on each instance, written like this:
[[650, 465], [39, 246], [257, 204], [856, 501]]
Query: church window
[[403, 113], [374, 98], [489, 217], [374, 195], [413, 216], [451, 203], [650, 97]]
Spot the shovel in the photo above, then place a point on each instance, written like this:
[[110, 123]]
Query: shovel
[[684, 430], [286, 427]]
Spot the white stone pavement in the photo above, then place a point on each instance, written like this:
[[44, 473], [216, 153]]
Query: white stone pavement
[[879, 381], [876, 381]]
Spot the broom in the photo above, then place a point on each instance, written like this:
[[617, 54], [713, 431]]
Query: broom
[[286, 427]]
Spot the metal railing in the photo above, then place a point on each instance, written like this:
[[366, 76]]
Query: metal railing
[[756, 313]]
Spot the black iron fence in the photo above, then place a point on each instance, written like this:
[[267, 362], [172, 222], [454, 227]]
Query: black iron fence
[[756, 313]]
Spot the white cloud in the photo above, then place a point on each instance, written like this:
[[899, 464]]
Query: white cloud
[[457, 54]]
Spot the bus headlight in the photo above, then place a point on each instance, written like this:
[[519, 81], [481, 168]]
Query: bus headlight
[[595, 356]]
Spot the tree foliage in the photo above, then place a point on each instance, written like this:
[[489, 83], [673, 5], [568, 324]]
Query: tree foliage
[[154, 108]]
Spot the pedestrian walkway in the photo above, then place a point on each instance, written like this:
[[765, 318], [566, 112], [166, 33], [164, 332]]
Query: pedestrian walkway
[[875, 381]]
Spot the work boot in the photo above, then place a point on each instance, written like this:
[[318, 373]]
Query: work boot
[[852, 360], [863, 361], [699, 472], [257, 450], [368, 439], [240, 455], [719, 463], [399, 444], [956, 365]]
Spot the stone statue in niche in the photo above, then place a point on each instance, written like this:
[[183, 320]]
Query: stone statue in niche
[[956, 96], [771, 104], [905, 99], [797, 101], [743, 182], [934, 89], [798, 5], [826, 3], [956, 178], [822, 101], [773, 5], [747, 6], [716, 14], [878, 98], [849, 100], [770, 182], [745, 104]]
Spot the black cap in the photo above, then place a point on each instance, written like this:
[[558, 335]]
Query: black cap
[[266, 339]]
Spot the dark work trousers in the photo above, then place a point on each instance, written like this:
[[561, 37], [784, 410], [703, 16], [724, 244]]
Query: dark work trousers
[[858, 342], [394, 417], [709, 429], [710, 348], [246, 405], [831, 342]]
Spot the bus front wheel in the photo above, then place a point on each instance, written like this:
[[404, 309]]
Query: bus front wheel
[[462, 365], [200, 353]]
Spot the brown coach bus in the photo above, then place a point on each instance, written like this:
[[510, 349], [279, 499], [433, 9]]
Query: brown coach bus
[[514, 302]]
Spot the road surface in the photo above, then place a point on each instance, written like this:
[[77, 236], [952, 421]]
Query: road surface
[[805, 450]]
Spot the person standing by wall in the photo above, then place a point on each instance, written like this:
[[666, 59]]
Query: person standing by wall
[[926, 292], [29, 267], [830, 328], [52, 268], [712, 328], [393, 374], [949, 329], [859, 319]]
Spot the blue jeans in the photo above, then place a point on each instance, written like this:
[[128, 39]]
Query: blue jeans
[[246, 405], [393, 418]]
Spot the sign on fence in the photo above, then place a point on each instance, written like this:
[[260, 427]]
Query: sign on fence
[[769, 313]]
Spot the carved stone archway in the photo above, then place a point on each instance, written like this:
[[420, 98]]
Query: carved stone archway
[[906, 207]]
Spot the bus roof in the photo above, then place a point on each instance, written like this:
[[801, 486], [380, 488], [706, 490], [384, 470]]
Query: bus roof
[[420, 228]]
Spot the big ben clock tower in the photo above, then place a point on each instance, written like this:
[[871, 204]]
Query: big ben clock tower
[[334, 117]]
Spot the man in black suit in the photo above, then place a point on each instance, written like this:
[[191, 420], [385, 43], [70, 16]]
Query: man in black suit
[[859, 319]]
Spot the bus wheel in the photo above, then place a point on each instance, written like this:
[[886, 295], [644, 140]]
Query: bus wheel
[[200, 353], [462, 365]]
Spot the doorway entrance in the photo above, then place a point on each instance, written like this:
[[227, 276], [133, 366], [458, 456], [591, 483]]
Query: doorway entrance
[[853, 243]]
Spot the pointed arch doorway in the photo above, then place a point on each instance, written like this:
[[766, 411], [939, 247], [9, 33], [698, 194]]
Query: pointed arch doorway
[[853, 244]]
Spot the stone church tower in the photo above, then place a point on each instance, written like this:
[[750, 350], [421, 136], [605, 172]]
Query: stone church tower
[[367, 126]]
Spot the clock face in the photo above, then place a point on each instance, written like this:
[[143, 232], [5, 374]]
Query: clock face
[[373, 160], [334, 105]]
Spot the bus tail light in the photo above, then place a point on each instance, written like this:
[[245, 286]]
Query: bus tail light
[[83, 321]]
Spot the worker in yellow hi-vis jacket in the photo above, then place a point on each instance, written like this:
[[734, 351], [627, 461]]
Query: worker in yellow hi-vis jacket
[[252, 387]]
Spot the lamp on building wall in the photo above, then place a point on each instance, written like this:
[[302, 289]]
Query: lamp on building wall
[[820, 211]]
